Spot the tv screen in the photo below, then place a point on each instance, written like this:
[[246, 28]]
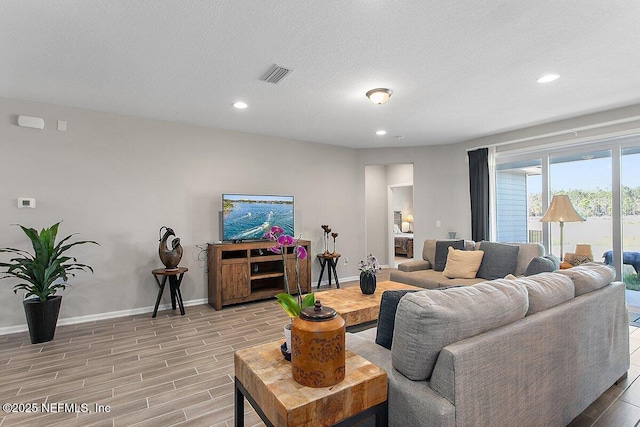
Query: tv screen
[[248, 216]]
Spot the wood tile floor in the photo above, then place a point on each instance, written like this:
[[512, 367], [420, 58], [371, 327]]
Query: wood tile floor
[[178, 370]]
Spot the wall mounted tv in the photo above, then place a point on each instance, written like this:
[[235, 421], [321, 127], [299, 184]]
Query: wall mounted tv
[[248, 216]]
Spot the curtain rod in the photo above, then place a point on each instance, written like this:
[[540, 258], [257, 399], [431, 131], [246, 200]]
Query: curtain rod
[[573, 130]]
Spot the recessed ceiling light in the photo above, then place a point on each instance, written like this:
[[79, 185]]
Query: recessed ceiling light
[[548, 78], [381, 132], [240, 105]]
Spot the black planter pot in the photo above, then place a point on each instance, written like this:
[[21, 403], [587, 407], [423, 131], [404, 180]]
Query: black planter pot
[[367, 283], [42, 317]]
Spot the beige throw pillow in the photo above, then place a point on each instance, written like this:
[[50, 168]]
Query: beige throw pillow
[[462, 264]]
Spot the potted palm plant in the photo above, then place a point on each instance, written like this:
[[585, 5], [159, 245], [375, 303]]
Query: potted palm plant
[[41, 274]]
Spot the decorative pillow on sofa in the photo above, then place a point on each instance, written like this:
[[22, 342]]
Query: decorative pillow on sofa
[[430, 320], [542, 264], [462, 264], [442, 251], [499, 260], [387, 316]]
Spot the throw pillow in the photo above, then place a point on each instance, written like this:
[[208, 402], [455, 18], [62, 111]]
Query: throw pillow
[[542, 264], [462, 264], [442, 251], [387, 316], [539, 265], [498, 261]]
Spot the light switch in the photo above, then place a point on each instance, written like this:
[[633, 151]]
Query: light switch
[[438, 223], [62, 125]]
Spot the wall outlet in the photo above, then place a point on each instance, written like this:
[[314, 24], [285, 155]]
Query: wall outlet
[[346, 261]]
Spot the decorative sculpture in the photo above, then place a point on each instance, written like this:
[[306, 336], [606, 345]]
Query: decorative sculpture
[[170, 258]]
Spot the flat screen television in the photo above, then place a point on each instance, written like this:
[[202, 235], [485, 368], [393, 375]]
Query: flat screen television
[[248, 216]]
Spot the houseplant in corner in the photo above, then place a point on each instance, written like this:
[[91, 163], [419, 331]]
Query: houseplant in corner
[[41, 275], [368, 271], [289, 304]]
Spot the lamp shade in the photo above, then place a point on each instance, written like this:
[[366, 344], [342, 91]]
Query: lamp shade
[[561, 210], [409, 218]]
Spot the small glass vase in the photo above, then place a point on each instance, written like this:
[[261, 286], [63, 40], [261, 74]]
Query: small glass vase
[[367, 283]]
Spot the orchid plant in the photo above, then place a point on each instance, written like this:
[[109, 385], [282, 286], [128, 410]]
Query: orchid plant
[[282, 242], [370, 266]]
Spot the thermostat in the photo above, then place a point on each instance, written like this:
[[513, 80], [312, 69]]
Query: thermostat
[[24, 202]]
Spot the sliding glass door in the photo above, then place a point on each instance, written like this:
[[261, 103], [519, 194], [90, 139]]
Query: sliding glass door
[[585, 177], [630, 197], [602, 180]]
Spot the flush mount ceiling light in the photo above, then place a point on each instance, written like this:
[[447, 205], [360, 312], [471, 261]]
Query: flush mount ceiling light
[[548, 78], [240, 105], [381, 132], [379, 95]]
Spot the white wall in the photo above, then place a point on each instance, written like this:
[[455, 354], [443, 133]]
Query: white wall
[[376, 213], [117, 179]]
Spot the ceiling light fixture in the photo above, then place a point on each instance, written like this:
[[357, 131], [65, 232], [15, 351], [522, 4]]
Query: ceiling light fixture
[[240, 105], [379, 95], [548, 78], [381, 132]]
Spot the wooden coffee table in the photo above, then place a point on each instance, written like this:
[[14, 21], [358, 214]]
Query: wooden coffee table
[[355, 307], [264, 378]]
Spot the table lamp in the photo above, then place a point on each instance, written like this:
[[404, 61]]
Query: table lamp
[[409, 219], [561, 210]]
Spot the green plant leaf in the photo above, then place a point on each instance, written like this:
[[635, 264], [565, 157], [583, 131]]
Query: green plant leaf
[[45, 271], [288, 304], [308, 300]]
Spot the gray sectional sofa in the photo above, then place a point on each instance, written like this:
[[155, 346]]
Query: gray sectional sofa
[[421, 272], [532, 351]]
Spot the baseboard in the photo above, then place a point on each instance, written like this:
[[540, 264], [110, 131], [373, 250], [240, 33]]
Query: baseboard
[[113, 314], [102, 316], [326, 282]]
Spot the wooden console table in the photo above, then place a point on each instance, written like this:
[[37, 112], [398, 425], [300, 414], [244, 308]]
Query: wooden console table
[[248, 271], [264, 378]]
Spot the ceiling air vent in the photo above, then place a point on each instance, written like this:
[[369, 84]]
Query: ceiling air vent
[[275, 74]]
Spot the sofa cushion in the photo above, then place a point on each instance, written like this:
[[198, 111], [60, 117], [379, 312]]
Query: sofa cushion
[[442, 252], [416, 265], [589, 277], [428, 321], [387, 316], [542, 264], [462, 264], [499, 260], [546, 290]]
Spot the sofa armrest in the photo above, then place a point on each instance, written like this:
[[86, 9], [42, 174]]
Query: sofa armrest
[[414, 266]]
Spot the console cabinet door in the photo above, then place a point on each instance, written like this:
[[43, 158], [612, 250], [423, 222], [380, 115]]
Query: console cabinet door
[[236, 282]]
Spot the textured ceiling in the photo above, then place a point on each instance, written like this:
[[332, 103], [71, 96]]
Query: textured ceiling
[[458, 69]]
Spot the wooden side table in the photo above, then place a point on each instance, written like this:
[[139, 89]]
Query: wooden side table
[[330, 260], [263, 377], [175, 279]]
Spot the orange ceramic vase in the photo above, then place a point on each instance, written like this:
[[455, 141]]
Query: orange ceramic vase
[[317, 347]]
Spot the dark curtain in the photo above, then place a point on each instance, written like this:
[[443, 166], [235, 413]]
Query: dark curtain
[[479, 192]]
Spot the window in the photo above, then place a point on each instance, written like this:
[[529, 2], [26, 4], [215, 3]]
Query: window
[[602, 180]]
